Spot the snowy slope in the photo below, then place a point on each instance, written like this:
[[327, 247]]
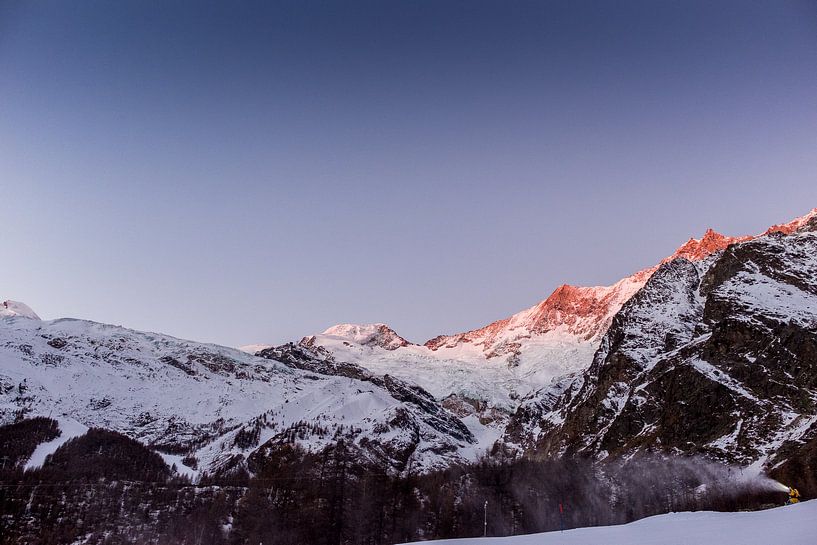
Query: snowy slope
[[464, 371], [192, 398], [792, 525]]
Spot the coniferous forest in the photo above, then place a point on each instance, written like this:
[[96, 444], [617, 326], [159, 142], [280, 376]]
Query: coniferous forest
[[119, 491]]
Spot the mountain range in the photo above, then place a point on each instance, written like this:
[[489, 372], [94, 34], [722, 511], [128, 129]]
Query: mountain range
[[712, 351]]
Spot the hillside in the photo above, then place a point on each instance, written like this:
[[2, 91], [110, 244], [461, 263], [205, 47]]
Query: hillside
[[213, 404]]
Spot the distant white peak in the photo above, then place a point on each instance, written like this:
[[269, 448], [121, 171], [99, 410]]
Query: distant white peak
[[368, 335], [15, 308], [254, 348]]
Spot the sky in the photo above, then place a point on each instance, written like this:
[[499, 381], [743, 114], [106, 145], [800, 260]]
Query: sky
[[258, 171]]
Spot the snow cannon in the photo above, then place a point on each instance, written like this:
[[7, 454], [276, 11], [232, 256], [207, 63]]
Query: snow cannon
[[794, 496]]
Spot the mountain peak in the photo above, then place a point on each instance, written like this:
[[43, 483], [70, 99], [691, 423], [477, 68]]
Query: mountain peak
[[368, 335], [793, 225], [15, 308], [696, 249]]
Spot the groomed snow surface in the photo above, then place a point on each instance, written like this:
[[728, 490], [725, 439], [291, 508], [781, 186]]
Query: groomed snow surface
[[789, 525], [69, 428]]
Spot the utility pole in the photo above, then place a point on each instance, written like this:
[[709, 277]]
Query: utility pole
[[561, 518], [485, 521]]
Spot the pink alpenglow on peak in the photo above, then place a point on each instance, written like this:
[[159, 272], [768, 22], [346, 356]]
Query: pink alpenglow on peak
[[794, 225], [586, 312], [696, 249], [15, 308]]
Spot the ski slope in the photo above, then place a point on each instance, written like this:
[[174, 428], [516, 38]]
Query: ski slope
[[69, 429], [792, 525]]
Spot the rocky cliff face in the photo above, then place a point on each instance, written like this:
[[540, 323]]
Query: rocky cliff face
[[717, 357]]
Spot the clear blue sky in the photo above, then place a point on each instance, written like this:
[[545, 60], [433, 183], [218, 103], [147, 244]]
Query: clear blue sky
[[258, 171]]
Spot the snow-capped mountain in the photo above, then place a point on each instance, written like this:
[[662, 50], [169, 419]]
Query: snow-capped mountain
[[493, 366], [716, 356], [580, 312], [535, 363], [584, 313], [724, 324], [15, 308], [214, 404], [368, 335]]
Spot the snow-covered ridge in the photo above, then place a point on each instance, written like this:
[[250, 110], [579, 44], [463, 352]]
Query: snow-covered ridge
[[584, 312], [587, 311], [696, 249], [510, 358], [11, 309], [214, 403], [794, 225]]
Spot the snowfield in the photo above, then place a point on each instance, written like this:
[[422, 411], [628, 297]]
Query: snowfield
[[789, 525], [464, 370]]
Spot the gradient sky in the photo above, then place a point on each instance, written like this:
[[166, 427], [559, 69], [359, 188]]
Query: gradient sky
[[258, 171]]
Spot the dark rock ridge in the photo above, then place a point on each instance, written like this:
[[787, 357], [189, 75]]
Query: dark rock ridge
[[716, 357]]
